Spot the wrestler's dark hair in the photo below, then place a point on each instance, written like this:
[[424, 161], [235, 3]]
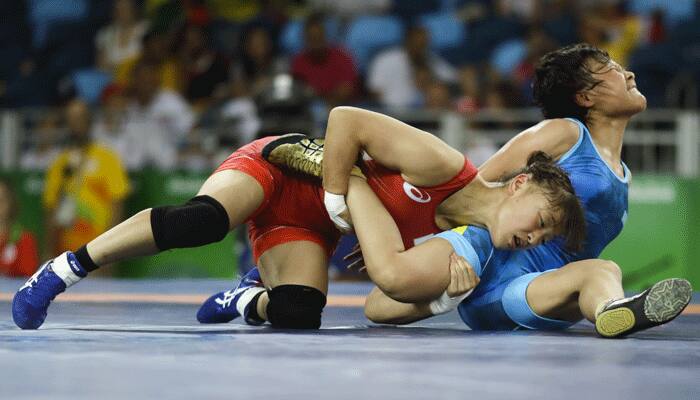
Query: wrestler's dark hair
[[561, 74], [557, 188]]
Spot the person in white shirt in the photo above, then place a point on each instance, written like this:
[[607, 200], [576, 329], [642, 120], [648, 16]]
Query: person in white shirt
[[391, 75], [156, 122]]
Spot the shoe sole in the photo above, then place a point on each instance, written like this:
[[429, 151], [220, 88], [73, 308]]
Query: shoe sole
[[295, 158], [615, 322], [289, 138], [664, 302], [667, 299]]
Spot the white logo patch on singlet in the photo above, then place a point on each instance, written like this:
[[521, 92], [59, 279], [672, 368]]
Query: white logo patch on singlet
[[422, 239], [416, 194]]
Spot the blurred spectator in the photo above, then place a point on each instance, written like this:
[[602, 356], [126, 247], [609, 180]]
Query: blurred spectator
[[327, 69], [391, 75], [109, 128], [15, 42], [156, 51], [205, 70], [241, 115], [258, 64], [437, 96], [234, 10], [156, 122], [121, 39], [501, 95], [350, 8], [657, 27], [538, 44], [468, 100], [558, 19], [609, 26], [43, 149], [85, 186], [18, 249]]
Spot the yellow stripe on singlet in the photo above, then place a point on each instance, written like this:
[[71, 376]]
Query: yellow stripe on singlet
[[460, 229]]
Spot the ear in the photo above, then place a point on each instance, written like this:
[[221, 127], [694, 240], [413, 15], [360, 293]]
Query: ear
[[517, 183], [583, 99]]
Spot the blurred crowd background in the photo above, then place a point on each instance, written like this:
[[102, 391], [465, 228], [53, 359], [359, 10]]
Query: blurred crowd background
[[109, 106]]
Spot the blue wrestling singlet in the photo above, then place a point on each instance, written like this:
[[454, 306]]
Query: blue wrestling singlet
[[499, 302]]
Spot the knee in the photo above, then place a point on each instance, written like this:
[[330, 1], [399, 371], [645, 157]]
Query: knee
[[607, 269], [295, 307], [200, 221]]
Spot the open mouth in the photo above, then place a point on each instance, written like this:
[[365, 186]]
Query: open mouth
[[516, 242]]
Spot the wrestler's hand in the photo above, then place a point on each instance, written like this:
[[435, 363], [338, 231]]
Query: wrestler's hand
[[357, 261], [462, 276], [338, 210]]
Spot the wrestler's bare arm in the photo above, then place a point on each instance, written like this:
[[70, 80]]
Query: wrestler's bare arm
[[554, 136], [421, 157], [419, 274]]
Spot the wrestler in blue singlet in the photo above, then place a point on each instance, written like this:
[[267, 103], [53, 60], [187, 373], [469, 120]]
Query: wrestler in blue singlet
[[499, 301]]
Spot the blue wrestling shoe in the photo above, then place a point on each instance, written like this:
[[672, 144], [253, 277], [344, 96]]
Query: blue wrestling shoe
[[34, 297], [226, 306]]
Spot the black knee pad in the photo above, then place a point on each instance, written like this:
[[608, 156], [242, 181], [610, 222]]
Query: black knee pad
[[295, 307], [202, 220]]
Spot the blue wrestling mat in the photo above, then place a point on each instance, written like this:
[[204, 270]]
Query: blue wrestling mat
[[112, 339]]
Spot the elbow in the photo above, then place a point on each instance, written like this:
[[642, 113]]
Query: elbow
[[390, 280]]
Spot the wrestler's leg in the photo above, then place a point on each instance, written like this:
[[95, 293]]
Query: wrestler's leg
[[575, 290], [296, 275], [226, 199]]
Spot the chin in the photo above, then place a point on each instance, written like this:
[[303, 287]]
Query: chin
[[640, 103]]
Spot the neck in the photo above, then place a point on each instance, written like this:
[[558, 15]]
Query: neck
[[608, 134], [475, 204]]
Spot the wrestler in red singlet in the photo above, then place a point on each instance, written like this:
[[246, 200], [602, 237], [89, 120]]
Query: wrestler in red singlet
[[293, 207]]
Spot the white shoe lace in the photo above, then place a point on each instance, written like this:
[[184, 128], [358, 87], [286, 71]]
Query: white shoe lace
[[225, 302]]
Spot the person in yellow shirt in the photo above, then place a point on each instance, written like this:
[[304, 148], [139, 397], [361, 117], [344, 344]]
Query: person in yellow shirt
[[85, 186]]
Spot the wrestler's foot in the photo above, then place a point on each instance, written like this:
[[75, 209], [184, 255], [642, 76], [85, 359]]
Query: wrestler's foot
[[299, 153], [226, 306], [32, 300], [655, 306]]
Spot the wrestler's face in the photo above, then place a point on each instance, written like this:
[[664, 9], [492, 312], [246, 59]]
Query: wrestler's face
[[525, 218], [616, 95]]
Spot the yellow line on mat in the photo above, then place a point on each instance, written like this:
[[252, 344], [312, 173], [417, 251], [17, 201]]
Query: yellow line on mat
[[333, 300]]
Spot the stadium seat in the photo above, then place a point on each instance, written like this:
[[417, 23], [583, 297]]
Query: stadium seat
[[368, 34], [446, 31], [89, 84], [506, 56], [675, 11], [71, 47], [409, 9], [44, 13]]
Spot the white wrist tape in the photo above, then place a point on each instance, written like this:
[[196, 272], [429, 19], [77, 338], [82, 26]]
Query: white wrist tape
[[335, 205], [445, 303]]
